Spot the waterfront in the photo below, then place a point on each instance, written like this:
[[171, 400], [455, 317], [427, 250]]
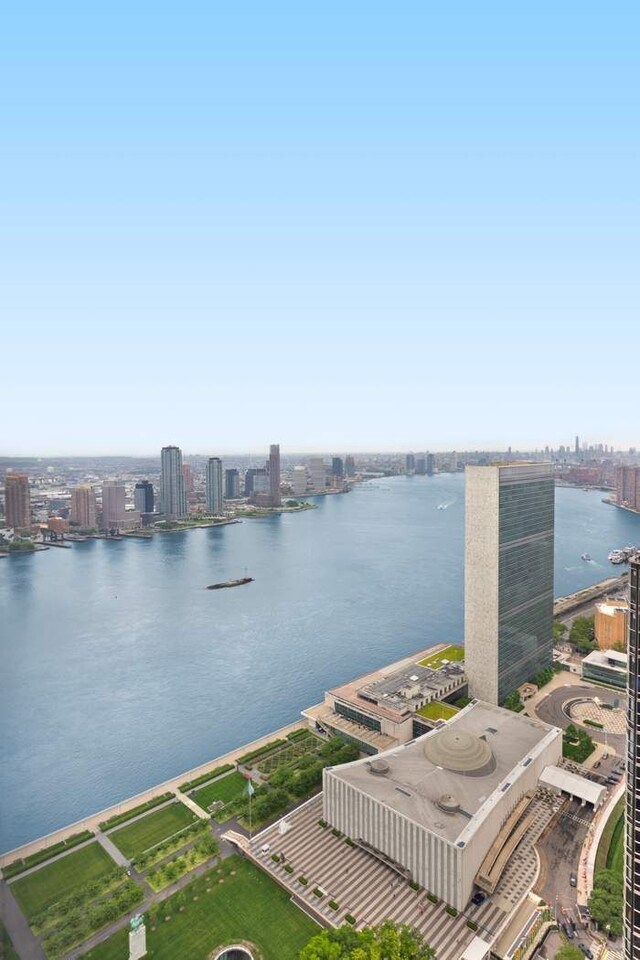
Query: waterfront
[[121, 670]]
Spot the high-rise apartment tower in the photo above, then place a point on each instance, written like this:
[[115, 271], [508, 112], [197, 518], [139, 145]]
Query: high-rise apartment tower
[[274, 474], [632, 848], [173, 501], [143, 496], [114, 509], [231, 484], [508, 577], [214, 488], [83, 506], [17, 500]]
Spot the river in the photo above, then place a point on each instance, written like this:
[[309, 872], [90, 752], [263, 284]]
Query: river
[[119, 670]]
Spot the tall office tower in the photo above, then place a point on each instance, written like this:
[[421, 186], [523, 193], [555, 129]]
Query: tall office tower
[[337, 467], [299, 481], [83, 507], [215, 491], [632, 861], [187, 478], [231, 484], [350, 466], [248, 480], [317, 473], [143, 496], [114, 511], [173, 501], [508, 576], [421, 466], [410, 463], [577, 445], [431, 464], [17, 501], [274, 474]]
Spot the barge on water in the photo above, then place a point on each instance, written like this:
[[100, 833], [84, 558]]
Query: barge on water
[[230, 583]]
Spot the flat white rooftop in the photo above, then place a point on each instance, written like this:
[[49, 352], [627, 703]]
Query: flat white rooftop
[[573, 784], [444, 779]]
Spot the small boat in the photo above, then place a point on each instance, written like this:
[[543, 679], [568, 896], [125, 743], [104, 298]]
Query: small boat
[[586, 556], [230, 583]]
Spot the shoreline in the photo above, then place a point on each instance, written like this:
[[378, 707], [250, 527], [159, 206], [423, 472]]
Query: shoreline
[[92, 821]]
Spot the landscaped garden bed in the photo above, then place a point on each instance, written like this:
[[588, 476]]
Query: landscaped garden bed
[[235, 902], [145, 833]]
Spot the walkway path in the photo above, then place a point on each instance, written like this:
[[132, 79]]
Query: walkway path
[[112, 850], [122, 922], [93, 822], [26, 944], [592, 842]]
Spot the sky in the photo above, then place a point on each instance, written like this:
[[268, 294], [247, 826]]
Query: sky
[[338, 226]]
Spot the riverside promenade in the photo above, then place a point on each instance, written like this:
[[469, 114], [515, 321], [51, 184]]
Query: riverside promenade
[[92, 822]]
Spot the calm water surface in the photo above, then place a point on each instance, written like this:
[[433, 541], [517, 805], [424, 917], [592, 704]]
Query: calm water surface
[[119, 670]]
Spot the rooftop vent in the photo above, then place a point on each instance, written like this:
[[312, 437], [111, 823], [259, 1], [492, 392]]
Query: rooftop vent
[[379, 767], [448, 803]]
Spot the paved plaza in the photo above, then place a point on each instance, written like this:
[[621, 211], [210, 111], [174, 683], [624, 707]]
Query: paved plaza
[[613, 721], [363, 886]]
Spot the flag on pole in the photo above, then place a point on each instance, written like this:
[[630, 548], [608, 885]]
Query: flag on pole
[[250, 789]]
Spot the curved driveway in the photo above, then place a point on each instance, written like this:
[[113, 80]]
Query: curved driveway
[[550, 710]]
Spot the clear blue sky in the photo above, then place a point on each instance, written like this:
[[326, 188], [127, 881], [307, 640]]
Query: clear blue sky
[[340, 226]]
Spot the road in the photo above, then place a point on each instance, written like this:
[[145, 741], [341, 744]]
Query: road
[[559, 851], [550, 710]]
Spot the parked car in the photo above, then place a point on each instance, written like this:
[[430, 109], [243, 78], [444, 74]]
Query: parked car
[[568, 932], [573, 880], [596, 765], [478, 898], [585, 949]]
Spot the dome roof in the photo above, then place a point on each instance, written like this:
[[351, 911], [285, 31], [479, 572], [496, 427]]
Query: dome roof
[[460, 752]]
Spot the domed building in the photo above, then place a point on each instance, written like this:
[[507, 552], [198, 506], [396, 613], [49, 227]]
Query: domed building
[[435, 806]]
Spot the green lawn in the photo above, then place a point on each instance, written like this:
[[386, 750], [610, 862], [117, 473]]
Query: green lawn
[[56, 880], [154, 828], [437, 711], [615, 856], [449, 653], [226, 789], [610, 855], [247, 906]]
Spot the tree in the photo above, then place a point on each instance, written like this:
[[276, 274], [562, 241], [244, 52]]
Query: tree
[[390, 940], [568, 952], [559, 630], [605, 903]]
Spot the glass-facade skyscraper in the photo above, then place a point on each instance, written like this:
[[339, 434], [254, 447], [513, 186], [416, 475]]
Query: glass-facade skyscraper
[[214, 488], [509, 518], [173, 501], [632, 851]]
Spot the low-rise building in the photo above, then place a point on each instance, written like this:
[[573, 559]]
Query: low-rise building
[[395, 704], [611, 623], [606, 666], [448, 808]]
